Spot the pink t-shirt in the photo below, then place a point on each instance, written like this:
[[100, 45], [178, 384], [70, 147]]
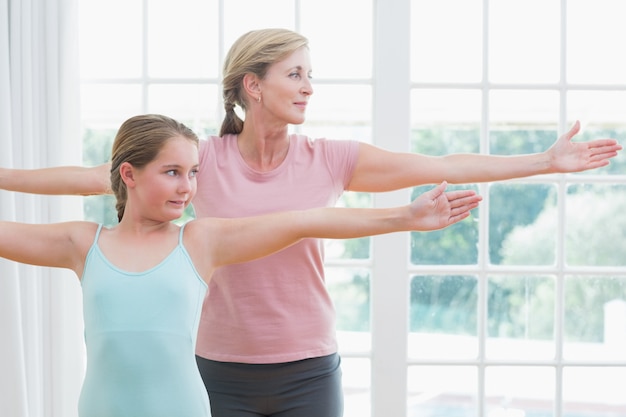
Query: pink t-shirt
[[275, 309]]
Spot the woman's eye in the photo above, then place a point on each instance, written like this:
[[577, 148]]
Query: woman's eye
[[193, 173]]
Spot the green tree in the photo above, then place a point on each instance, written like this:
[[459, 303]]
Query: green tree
[[445, 304], [593, 237], [97, 150]]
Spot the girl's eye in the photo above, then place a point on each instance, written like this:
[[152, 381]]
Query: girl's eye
[[193, 173], [294, 74], [171, 172]]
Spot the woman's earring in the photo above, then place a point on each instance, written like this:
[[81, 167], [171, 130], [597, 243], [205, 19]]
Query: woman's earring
[[258, 99]]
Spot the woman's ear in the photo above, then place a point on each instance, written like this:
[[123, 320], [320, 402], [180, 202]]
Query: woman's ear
[[251, 86], [127, 174]]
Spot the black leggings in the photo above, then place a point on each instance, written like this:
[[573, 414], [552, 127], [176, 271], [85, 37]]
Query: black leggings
[[306, 388]]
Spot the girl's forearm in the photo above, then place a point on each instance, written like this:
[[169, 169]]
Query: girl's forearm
[[245, 239], [348, 223]]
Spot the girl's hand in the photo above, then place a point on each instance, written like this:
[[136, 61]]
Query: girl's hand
[[436, 209]]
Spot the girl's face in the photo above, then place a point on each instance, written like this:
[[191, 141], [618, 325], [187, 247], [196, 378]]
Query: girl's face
[[286, 88], [165, 187]]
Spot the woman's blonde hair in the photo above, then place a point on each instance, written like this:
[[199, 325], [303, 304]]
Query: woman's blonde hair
[[138, 142], [253, 53]]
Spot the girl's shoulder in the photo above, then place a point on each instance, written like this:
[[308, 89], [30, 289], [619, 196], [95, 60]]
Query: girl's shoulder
[[200, 238], [85, 233]]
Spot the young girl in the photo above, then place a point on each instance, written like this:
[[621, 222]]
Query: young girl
[[144, 280]]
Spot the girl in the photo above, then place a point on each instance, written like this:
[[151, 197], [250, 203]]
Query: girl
[[144, 280]]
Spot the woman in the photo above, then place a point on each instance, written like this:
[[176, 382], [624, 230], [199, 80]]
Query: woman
[[267, 327]]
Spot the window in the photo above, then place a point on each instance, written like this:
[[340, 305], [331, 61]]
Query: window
[[512, 315], [519, 311]]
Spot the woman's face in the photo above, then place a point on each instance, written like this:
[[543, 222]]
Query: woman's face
[[286, 88]]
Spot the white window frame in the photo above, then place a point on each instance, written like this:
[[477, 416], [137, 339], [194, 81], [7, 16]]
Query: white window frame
[[390, 252]]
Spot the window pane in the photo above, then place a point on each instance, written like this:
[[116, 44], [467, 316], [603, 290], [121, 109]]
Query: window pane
[[519, 391], [182, 38], [192, 104], [520, 317], [522, 121], [602, 116], [109, 104], [356, 386], [595, 318], [97, 142], [522, 224], [595, 225], [342, 49], [443, 317], [350, 291], [110, 39], [594, 392], [241, 16], [523, 106], [440, 391], [455, 245], [350, 248], [445, 121], [435, 107], [327, 105], [595, 32], [446, 46], [329, 117], [100, 209], [597, 107], [524, 41]]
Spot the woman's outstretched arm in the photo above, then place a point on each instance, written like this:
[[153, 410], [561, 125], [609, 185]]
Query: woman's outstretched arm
[[69, 180], [380, 170]]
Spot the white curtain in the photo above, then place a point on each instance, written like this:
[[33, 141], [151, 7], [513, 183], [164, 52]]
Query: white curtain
[[41, 347]]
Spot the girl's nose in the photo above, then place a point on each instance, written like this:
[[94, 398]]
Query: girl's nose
[[185, 185]]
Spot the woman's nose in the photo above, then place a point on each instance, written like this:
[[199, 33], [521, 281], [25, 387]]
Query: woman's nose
[[307, 89]]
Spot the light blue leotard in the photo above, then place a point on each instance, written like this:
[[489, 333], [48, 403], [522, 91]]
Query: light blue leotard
[[140, 334]]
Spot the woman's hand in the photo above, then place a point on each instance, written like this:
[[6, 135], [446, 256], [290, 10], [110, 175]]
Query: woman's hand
[[568, 156]]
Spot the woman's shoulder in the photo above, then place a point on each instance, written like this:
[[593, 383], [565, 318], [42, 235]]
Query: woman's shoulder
[[216, 142], [322, 141], [325, 145]]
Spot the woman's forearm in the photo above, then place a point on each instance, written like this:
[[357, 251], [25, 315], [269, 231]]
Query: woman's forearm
[[69, 180], [472, 168]]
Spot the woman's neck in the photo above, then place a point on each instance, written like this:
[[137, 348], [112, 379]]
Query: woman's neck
[[263, 150]]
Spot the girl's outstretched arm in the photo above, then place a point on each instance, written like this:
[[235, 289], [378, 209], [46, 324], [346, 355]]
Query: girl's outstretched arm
[[70, 180], [216, 242], [60, 245]]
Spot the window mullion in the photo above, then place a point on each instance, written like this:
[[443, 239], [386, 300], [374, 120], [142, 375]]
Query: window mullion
[[391, 122]]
